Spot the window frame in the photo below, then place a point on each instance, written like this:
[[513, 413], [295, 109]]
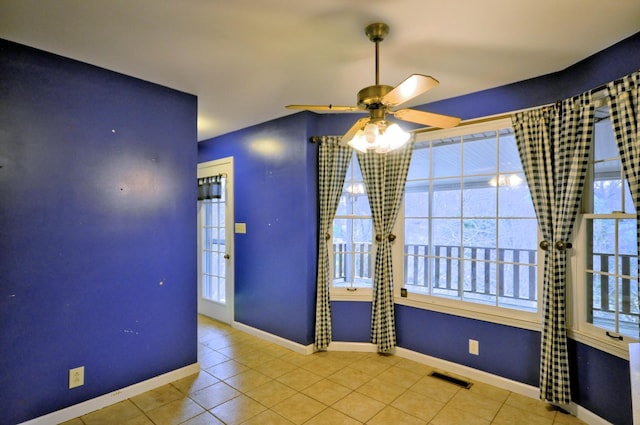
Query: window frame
[[580, 328], [494, 314], [351, 293]]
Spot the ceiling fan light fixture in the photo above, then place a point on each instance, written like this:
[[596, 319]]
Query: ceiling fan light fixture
[[379, 136]]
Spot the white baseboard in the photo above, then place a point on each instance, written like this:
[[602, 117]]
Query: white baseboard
[[360, 347], [293, 346], [105, 400]]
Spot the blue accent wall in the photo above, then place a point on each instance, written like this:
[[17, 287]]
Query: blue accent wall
[[275, 195], [601, 383], [504, 350], [97, 233], [275, 260]]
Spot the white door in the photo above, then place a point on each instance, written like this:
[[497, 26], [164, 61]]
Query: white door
[[215, 243]]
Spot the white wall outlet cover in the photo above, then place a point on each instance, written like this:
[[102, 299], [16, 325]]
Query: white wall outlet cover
[[474, 347], [76, 377], [241, 227]]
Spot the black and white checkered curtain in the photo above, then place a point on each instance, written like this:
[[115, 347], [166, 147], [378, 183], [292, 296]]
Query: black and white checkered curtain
[[333, 162], [554, 144], [384, 178], [624, 107], [210, 187]]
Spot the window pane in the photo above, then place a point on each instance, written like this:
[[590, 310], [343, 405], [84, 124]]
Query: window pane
[[479, 233], [479, 155], [509, 158], [416, 231], [518, 286], [416, 203], [602, 308], [353, 254], [515, 200], [479, 202], [607, 187], [342, 205], [605, 146], [445, 274], [419, 167], [416, 272], [628, 248], [354, 200], [612, 284], [479, 282], [603, 236], [361, 205], [446, 198], [628, 302], [629, 206], [446, 160], [446, 232], [518, 234]]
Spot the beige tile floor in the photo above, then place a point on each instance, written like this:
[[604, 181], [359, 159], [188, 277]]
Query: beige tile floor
[[245, 380]]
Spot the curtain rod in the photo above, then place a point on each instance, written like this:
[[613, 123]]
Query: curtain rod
[[599, 93]]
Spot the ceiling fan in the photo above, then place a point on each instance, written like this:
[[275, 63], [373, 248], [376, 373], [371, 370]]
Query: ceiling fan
[[375, 132]]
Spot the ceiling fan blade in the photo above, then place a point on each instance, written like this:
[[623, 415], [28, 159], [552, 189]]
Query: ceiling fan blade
[[325, 108], [350, 134], [413, 86], [426, 118]]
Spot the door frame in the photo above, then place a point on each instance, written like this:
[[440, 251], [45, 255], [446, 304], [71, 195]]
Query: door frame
[[222, 312]]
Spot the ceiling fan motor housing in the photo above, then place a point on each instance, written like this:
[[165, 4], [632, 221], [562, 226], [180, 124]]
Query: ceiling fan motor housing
[[371, 97]]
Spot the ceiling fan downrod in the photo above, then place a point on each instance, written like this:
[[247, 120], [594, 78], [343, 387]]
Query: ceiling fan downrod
[[376, 33]]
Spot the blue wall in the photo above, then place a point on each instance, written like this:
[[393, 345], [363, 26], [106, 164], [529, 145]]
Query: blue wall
[[275, 197], [275, 260], [97, 208]]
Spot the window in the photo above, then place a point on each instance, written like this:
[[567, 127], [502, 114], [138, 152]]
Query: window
[[607, 277], [352, 247], [470, 231]]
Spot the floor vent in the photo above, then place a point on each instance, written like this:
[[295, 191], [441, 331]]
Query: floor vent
[[459, 382]]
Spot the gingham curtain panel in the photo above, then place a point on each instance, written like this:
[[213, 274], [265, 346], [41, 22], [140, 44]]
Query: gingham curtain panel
[[384, 177], [624, 100], [554, 144], [333, 162]]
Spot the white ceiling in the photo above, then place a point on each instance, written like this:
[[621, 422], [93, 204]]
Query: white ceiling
[[247, 59]]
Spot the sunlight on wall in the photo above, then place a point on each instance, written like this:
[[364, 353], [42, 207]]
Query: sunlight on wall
[[268, 148]]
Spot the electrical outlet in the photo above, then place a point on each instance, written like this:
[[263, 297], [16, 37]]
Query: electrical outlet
[[76, 377], [474, 347]]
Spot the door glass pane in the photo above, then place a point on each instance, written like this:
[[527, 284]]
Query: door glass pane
[[214, 248]]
